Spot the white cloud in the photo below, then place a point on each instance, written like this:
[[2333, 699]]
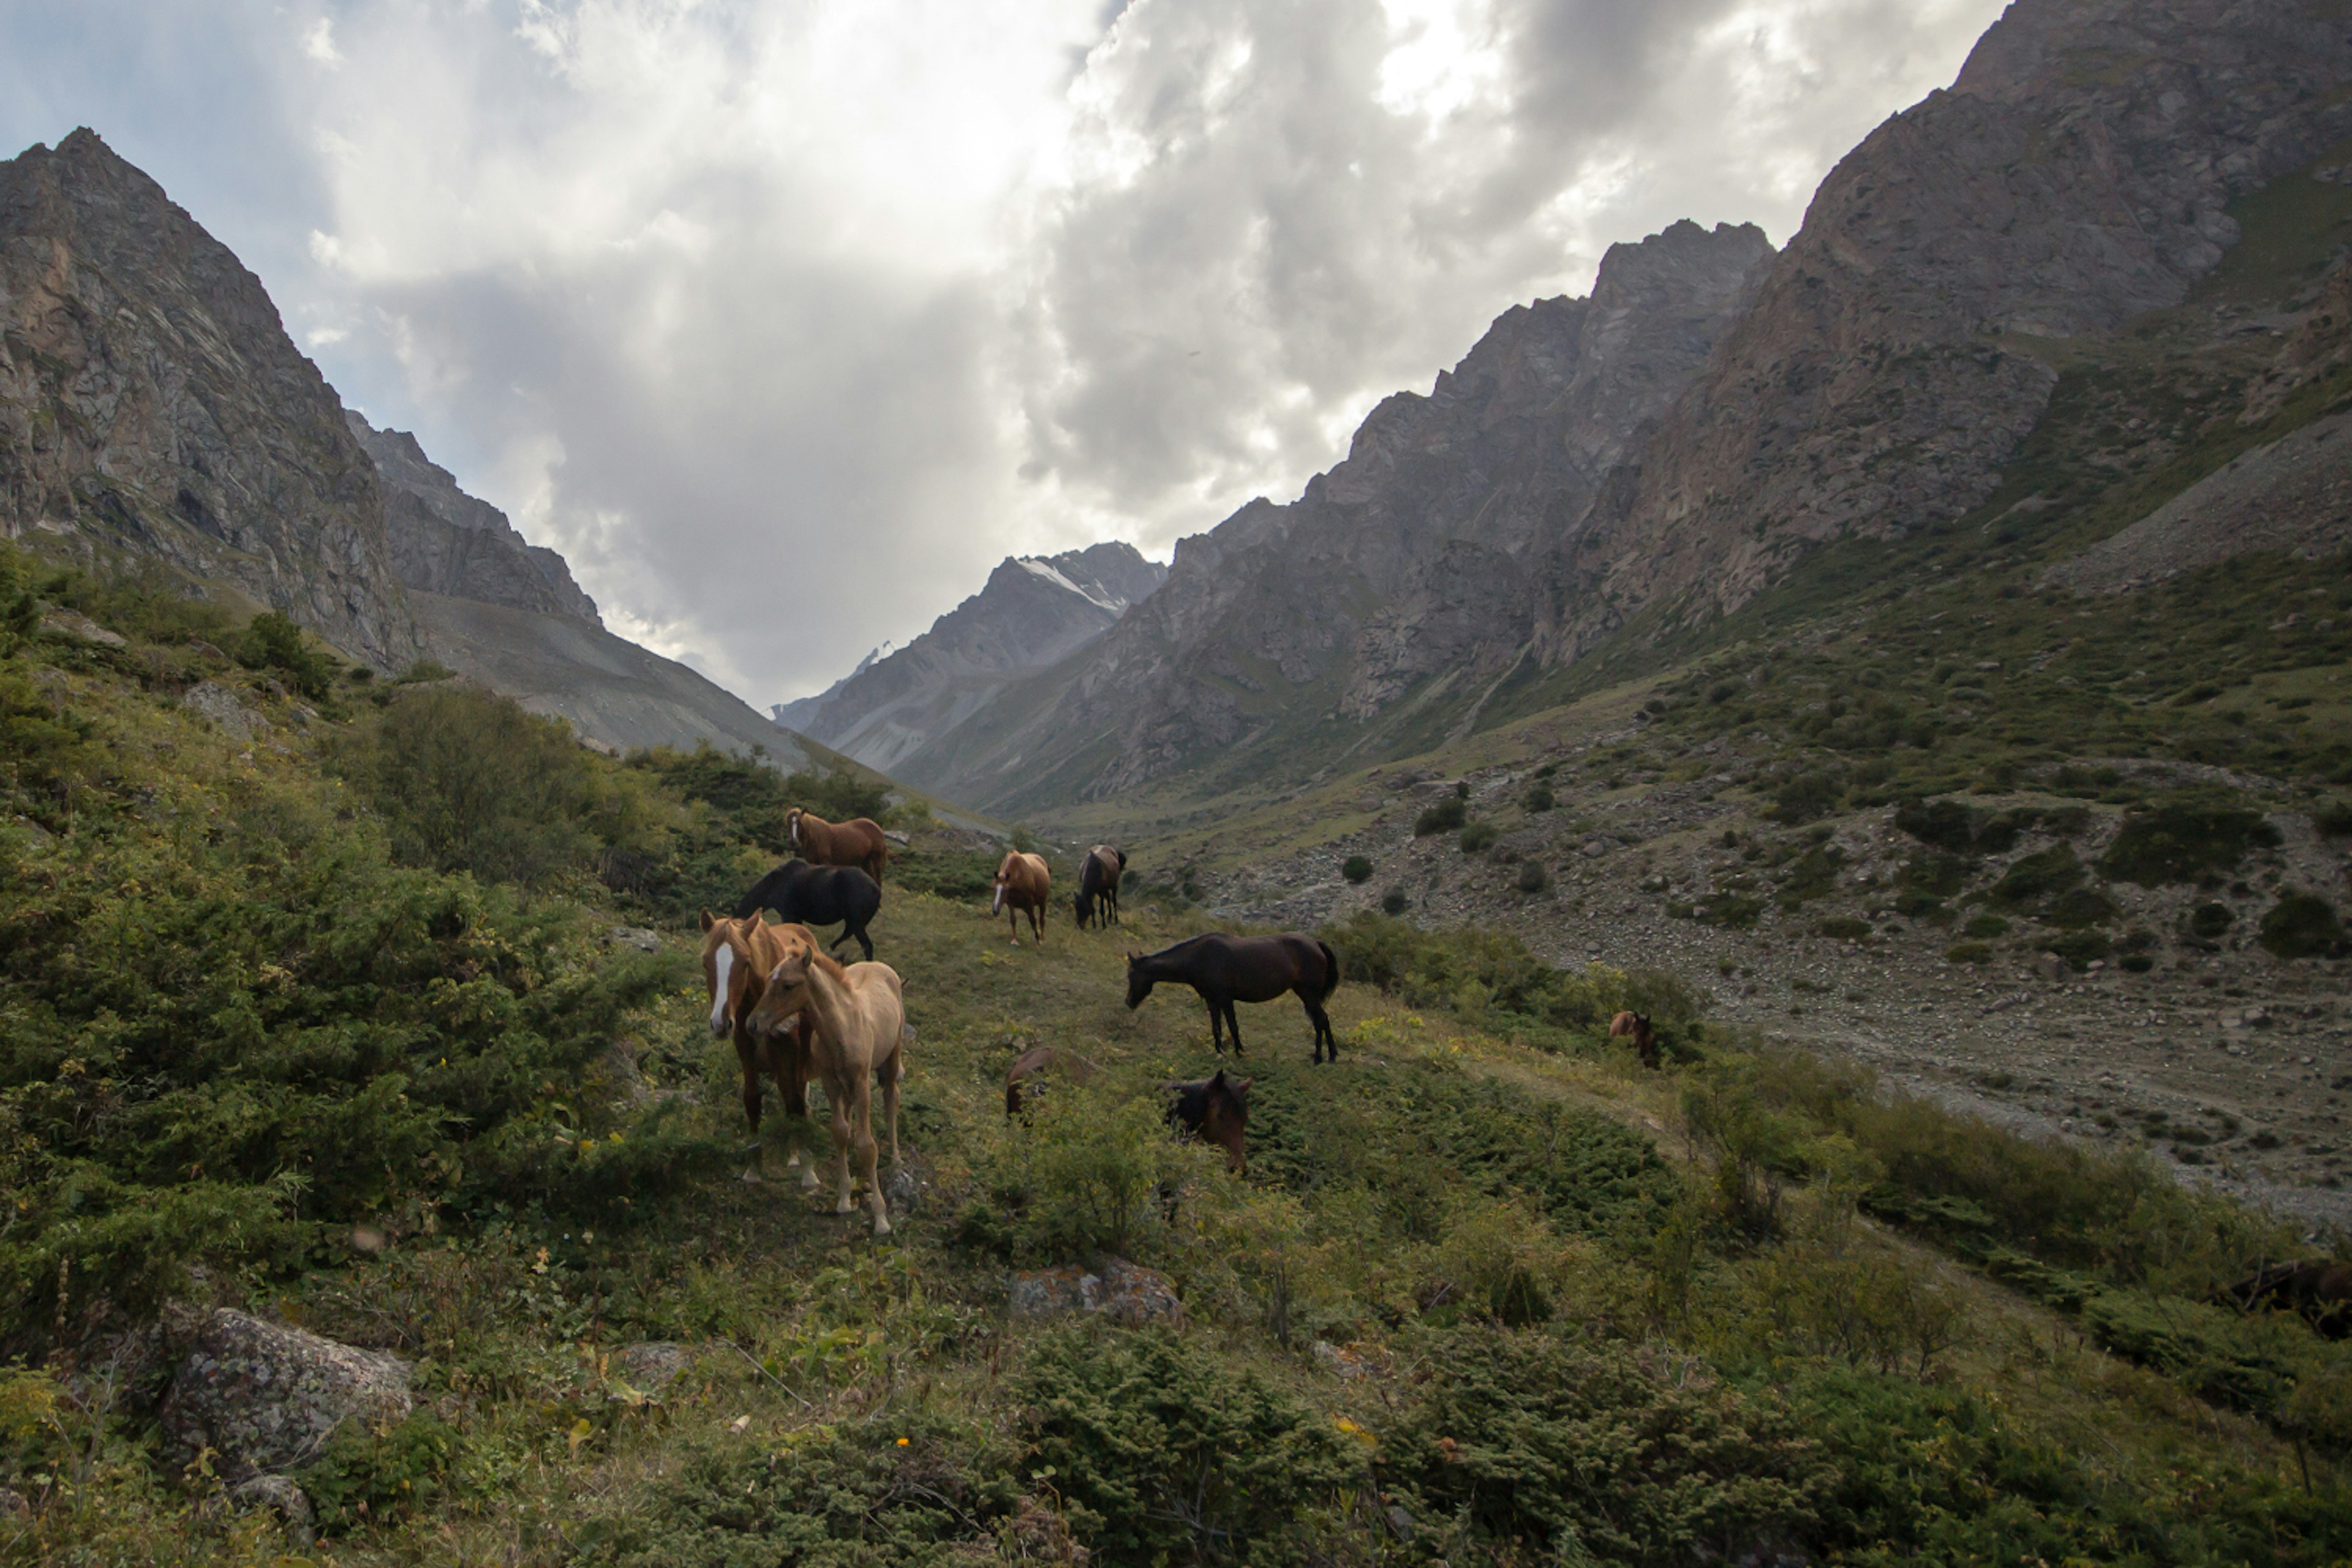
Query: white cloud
[[786, 321]]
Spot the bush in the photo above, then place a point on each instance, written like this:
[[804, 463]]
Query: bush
[[1443, 817], [1394, 902], [2303, 925], [1088, 1175], [1804, 798], [2037, 878], [1969, 952], [1477, 837], [1540, 798], [272, 641], [1163, 1453], [1357, 869], [1844, 927], [1985, 927], [2182, 841], [1532, 878], [1431, 968], [1596, 1452]]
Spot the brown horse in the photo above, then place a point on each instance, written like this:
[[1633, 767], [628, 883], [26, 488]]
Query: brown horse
[[1228, 969], [1022, 883], [858, 1042], [859, 842], [736, 957], [1099, 877], [1035, 1060], [2321, 1292], [1635, 1027], [1214, 1110]]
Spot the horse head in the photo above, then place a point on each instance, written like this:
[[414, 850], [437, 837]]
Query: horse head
[[1139, 983], [793, 827], [724, 970], [786, 993]]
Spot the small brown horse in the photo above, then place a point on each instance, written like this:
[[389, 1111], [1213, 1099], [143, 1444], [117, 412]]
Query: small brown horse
[[2321, 1292], [1035, 1060], [859, 1041], [859, 842], [736, 957], [1635, 1027], [1214, 1110], [1228, 969], [1022, 883]]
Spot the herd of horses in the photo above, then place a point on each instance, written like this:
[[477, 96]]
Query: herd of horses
[[798, 1014]]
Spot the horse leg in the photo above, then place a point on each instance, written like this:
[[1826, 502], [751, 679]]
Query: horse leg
[[747, 1053], [1037, 923], [1216, 1024], [790, 1066], [863, 941], [1233, 1023], [862, 1129], [1321, 1025], [895, 1070], [840, 1106]]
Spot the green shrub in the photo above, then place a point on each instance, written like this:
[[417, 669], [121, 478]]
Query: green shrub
[[1594, 1452], [2303, 925], [1532, 878], [1394, 902], [1163, 1453], [1357, 869], [1813, 875], [272, 641], [1431, 968], [1941, 824], [1477, 837], [2080, 907], [2037, 879], [1089, 1174], [1540, 798], [966, 875], [2181, 840], [1969, 952], [1805, 797], [1985, 927], [1939, 875], [2080, 948], [1443, 817], [2209, 921], [367, 1477], [1844, 927]]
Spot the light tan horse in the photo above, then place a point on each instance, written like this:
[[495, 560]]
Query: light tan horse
[[859, 842], [737, 955], [1022, 883], [858, 1042]]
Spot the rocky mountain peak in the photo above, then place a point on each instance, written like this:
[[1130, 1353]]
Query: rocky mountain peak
[[150, 401]]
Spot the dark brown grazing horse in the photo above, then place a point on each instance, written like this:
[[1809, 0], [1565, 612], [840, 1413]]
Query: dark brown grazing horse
[[737, 955], [1035, 1060], [1214, 1110], [2321, 1292], [1635, 1027], [1023, 882], [1098, 884], [1229, 969], [859, 842]]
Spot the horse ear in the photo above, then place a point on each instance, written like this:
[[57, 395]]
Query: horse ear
[[708, 919], [1220, 1078]]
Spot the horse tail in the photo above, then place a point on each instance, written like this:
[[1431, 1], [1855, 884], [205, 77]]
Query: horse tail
[[1331, 972]]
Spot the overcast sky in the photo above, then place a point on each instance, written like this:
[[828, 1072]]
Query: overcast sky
[[785, 321]]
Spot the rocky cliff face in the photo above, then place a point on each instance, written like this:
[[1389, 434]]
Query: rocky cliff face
[[1033, 612], [151, 403], [1407, 557], [2074, 177], [443, 540]]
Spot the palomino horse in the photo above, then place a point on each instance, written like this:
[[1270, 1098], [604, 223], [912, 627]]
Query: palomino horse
[[1215, 1110], [1098, 884], [1635, 1027], [858, 1041], [1229, 969], [1022, 883], [818, 896], [859, 842], [736, 957]]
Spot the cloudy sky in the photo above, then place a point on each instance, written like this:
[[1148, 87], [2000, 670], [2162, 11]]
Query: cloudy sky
[[786, 320]]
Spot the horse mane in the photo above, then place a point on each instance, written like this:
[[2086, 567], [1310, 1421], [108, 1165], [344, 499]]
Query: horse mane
[[830, 964], [1180, 946]]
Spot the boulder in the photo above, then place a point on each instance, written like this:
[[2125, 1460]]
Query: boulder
[[1122, 1291], [651, 1365], [264, 1397], [635, 938], [281, 1496], [77, 627], [225, 708]]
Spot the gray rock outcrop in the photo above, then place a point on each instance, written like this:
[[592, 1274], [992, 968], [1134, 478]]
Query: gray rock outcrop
[[443, 540], [264, 1397], [1122, 1292], [152, 402]]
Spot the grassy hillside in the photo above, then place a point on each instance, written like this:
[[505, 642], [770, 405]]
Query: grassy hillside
[[327, 1020]]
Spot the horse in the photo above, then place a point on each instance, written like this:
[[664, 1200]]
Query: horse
[[1229, 969], [1099, 877], [858, 1042], [1022, 883], [2321, 1292], [735, 956], [859, 842], [1215, 1110], [1635, 1027], [1035, 1060], [818, 896]]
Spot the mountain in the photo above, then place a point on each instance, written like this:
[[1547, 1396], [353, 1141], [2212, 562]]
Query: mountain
[[1409, 558], [153, 406], [1032, 612], [150, 403], [2074, 177], [444, 541], [1625, 471]]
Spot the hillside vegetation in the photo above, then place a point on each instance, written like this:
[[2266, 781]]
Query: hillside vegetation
[[333, 1005]]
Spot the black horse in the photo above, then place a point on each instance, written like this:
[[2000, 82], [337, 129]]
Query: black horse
[[1098, 884], [1229, 969], [818, 896]]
